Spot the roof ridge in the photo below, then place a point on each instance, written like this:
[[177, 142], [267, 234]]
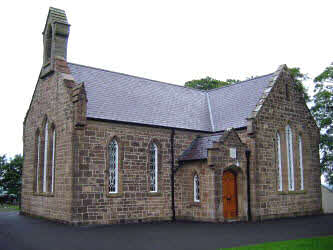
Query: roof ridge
[[175, 85], [233, 84]]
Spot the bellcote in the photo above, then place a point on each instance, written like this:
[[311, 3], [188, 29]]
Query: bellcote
[[55, 37]]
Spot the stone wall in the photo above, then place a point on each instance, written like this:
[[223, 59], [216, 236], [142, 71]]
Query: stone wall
[[186, 207], [282, 106], [210, 172], [51, 101], [133, 203]]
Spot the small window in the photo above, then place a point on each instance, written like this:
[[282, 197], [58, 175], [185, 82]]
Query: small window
[[279, 161], [300, 147], [290, 158], [287, 91], [153, 168], [46, 140], [196, 186], [53, 158], [113, 167]]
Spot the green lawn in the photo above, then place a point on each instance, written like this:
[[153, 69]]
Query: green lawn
[[7, 208], [321, 243]]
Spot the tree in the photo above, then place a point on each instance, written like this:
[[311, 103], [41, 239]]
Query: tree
[[10, 174], [211, 83], [208, 83], [299, 77], [322, 110]]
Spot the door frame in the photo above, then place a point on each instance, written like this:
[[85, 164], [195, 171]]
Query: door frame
[[236, 193]]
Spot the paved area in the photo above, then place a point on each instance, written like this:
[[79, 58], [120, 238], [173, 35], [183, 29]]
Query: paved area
[[25, 233]]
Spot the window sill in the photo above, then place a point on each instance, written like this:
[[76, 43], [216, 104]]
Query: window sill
[[114, 195], [153, 194], [291, 192], [44, 194]]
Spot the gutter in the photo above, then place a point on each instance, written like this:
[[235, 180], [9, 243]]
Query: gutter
[[148, 125], [173, 175], [249, 212]]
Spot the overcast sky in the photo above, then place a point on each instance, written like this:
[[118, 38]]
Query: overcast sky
[[170, 41]]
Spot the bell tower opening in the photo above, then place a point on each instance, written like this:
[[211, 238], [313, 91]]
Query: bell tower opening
[[48, 45], [55, 37]]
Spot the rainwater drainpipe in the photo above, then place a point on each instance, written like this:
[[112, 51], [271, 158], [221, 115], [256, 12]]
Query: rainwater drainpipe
[[247, 154], [173, 175]]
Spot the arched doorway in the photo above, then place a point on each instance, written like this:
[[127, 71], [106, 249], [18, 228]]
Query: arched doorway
[[229, 194]]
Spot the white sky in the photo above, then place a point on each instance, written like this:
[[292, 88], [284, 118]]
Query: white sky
[[171, 41]]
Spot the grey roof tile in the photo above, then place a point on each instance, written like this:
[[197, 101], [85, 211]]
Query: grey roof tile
[[120, 97], [198, 149], [231, 105]]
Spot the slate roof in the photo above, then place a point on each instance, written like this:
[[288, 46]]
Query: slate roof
[[121, 97], [198, 148], [231, 105]]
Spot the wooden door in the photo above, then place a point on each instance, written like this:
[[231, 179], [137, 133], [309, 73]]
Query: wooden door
[[229, 194]]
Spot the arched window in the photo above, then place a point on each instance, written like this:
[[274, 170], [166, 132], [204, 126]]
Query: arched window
[[290, 159], [46, 140], [113, 166], [153, 171], [300, 148], [53, 157], [37, 161], [196, 188], [279, 161]]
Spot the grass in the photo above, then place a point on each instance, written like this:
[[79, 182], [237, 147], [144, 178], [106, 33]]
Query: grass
[[7, 208], [321, 243]]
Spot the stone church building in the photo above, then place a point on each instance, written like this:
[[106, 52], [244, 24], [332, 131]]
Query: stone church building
[[106, 147]]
